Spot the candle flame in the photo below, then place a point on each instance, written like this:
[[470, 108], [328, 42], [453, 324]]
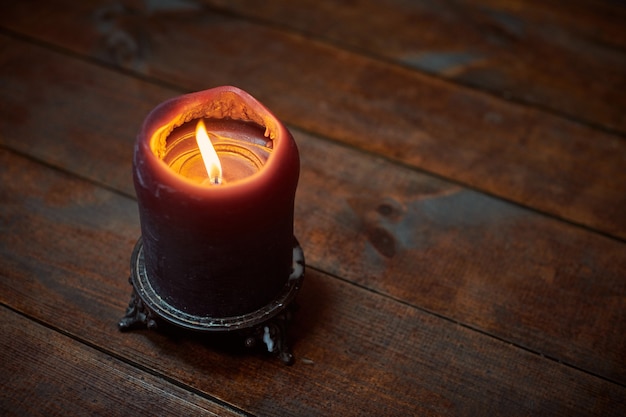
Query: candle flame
[[209, 156]]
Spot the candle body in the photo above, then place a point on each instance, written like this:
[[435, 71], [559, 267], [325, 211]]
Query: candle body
[[225, 250]]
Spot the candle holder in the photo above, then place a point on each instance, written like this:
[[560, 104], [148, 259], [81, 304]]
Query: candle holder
[[264, 326], [217, 251]]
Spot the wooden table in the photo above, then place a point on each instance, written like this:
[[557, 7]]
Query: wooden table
[[461, 205]]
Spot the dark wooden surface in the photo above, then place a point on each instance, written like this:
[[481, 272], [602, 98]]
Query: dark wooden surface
[[462, 205]]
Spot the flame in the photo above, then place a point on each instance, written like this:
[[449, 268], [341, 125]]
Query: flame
[[209, 156]]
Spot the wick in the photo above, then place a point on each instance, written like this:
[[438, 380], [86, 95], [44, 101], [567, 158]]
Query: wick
[[212, 181]]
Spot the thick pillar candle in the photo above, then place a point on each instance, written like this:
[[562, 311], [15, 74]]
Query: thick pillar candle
[[216, 250]]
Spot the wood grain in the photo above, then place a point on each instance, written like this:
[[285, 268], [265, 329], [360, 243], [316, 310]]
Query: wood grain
[[351, 343], [460, 205], [477, 260], [524, 155], [72, 379], [569, 58]]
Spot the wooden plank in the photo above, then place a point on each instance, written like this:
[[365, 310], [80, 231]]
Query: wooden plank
[[359, 353], [47, 374], [474, 259], [511, 151], [548, 54]]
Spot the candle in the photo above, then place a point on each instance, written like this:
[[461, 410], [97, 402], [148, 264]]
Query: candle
[[216, 245]]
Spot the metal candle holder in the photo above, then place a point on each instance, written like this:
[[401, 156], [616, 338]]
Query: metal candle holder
[[264, 326]]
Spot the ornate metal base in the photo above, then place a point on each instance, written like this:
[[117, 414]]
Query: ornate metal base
[[265, 326]]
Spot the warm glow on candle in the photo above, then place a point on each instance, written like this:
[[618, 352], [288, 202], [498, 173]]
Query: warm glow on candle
[[209, 156]]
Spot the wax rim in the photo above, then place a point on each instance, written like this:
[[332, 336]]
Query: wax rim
[[207, 104]]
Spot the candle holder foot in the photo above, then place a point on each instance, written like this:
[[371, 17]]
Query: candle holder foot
[[273, 334], [137, 314], [267, 325]]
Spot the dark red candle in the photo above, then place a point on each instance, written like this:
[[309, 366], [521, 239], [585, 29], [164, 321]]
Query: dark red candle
[[216, 249]]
